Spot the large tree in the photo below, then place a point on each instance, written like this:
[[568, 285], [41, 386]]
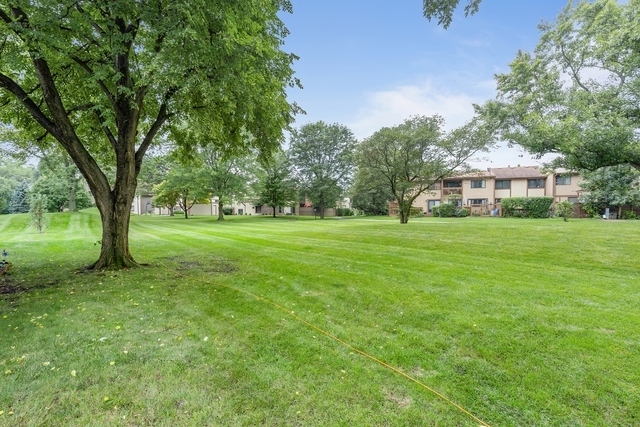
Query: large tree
[[275, 186], [102, 78], [610, 186], [60, 180], [184, 186], [416, 154], [578, 94], [370, 192], [225, 175], [322, 156]]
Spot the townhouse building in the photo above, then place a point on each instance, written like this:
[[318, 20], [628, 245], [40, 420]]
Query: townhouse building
[[482, 192]]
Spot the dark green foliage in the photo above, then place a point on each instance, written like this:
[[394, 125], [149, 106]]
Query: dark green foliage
[[323, 157], [183, 187], [416, 212], [275, 185], [628, 215], [227, 210], [344, 212], [449, 210], [370, 192], [60, 190], [608, 187], [527, 207], [225, 176], [462, 212], [19, 202], [443, 210]]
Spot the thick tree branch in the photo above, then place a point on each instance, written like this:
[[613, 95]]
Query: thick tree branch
[[161, 118], [85, 66], [28, 103]]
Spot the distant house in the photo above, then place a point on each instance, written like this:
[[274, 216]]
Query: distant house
[[142, 204], [483, 191]]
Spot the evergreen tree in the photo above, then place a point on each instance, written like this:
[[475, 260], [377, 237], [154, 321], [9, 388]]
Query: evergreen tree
[[19, 202]]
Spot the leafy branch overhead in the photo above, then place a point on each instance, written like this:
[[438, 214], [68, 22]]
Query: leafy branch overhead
[[443, 10], [577, 95]]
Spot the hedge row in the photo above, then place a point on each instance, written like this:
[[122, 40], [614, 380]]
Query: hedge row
[[527, 207], [448, 210]]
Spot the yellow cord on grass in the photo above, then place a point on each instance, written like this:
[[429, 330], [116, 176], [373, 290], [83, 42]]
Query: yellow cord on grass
[[333, 337]]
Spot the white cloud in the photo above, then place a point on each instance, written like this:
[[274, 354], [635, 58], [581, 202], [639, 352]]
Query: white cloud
[[391, 107]]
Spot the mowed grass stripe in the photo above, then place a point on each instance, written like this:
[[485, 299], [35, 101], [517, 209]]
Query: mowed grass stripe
[[518, 345]]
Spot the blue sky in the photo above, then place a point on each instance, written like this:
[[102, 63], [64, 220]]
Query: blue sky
[[373, 63]]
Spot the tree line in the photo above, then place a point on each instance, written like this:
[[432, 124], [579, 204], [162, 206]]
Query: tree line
[[105, 81]]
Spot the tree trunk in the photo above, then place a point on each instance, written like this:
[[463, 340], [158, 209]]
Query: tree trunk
[[114, 250], [220, 212], [72, 197], [321, 209], [404, 213], [274, 211], [72, 182], [170, 211]]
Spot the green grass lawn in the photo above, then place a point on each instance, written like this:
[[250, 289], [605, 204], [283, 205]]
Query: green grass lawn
[[520, 322]]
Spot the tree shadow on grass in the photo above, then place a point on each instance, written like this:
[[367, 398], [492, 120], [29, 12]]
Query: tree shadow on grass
[[9, 286]]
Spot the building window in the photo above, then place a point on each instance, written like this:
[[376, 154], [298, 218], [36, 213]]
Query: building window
[[258, 209], [431, 204], [563, 180], [478, 183], [503, 184], [477, 201], [536, 183], [434, 186], [453, 184], [573, 199], [498, 201]]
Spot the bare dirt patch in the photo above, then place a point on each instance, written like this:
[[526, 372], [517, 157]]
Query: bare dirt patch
[[210, 264]]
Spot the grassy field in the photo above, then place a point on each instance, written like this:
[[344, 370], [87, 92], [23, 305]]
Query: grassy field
[[520, 322]]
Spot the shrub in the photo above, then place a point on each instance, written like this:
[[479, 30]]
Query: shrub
[[527, 207], [462, 212], [628, 215], [564, 210], [445, 210], [227, 211], [416, 212], [344, 212]]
